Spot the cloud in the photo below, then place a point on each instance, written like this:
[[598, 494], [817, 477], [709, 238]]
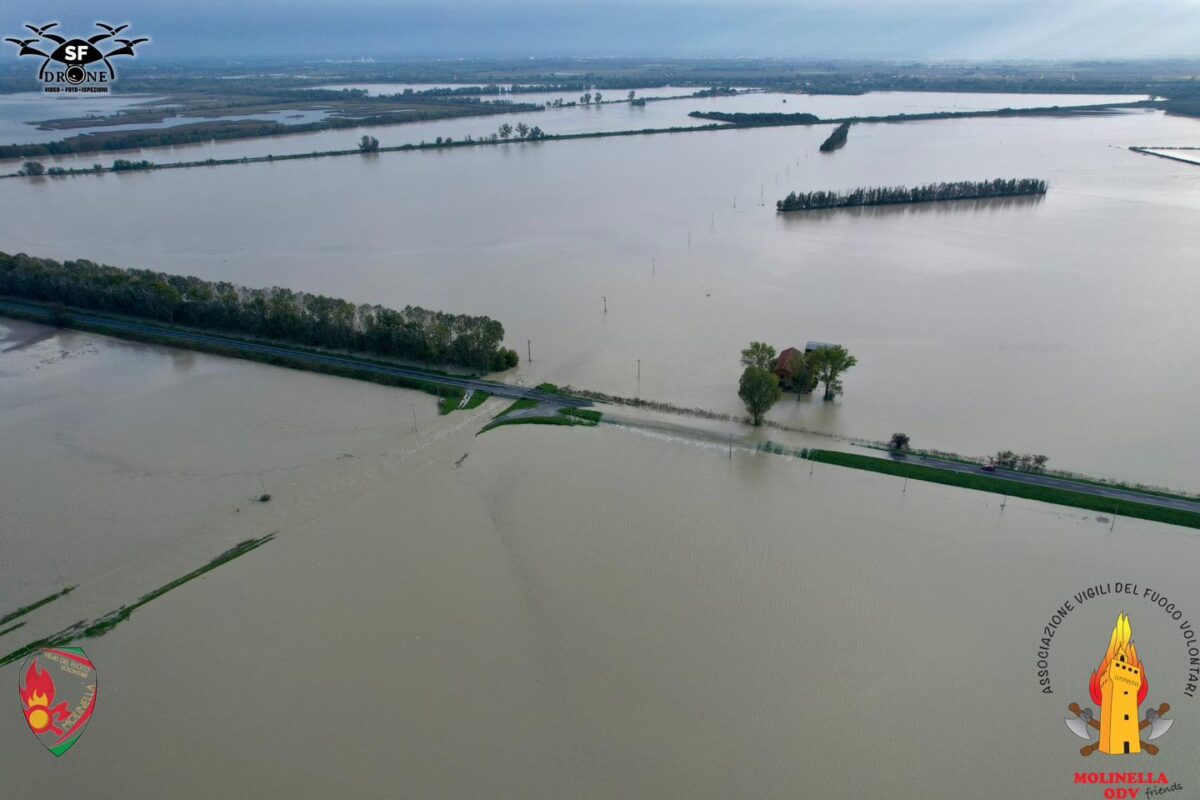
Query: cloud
[[928, 29]]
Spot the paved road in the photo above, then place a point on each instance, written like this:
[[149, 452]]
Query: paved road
[[1062, 483], [470, 384]]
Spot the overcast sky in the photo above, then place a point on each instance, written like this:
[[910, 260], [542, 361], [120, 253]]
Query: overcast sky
[[927, 29]]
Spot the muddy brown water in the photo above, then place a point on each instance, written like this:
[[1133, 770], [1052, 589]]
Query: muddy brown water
[[567, 612]]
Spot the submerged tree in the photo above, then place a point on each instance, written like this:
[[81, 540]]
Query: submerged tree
[[368, 144], [803, 376], [899, 442], [829, 363], [760, 355], [890, 195], [759, 390]]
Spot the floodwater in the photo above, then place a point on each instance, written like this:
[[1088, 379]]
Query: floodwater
[[1063, 325], [1186, 154], [21, 113], [537, 612], [606, 117]]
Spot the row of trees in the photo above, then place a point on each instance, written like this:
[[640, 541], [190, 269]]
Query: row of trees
[[837, 139], [760, 386], [754, 119], [522, 131], [281, 314], [1021, 462], [889, 195]]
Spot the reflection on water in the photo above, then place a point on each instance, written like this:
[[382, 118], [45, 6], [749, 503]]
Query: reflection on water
[[985, 205], [574, 613], [1020, 324]]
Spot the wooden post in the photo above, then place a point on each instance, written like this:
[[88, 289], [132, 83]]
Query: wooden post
[[605, 304], [414, 410], [529, 350], [731, 447], [639, 369]]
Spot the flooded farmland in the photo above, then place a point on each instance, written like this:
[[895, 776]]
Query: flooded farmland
[[978, 326], [535, 612]]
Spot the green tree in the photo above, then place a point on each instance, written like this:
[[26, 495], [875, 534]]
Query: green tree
[[759, 390], [368, 144], [522, 130], [506, 131], [629, 96], [759, 354], [899, 442], [599, 97], [33, 168], [829, 363], [804, 376]]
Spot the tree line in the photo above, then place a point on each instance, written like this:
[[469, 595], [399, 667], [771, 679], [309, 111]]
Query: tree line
[[837, 139], [932, 192], [757, 119], [224, 130], [277, 313]]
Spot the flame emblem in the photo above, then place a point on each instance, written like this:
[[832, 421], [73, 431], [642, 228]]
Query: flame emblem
[[58, 695]]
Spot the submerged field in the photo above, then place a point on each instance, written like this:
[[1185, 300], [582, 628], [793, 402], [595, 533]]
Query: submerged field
[[978, 326], [539, 611]]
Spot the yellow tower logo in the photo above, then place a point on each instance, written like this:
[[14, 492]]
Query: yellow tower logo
[[1119, 686]]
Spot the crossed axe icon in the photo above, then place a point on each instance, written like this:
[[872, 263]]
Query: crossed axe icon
[[1084, 720]]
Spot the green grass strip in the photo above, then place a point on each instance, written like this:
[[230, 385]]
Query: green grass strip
[[105, 623], [987, 483], [23, 610], [13, 628]]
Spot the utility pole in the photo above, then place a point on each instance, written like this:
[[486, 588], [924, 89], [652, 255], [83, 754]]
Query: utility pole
[[605, 304], [529, 350], [731, 447], [1114, 522], [689, 241], [904, 489], [414, 410], [639, 369], [653, 267], [1004, 502]]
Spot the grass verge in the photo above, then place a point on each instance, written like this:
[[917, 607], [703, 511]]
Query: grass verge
[[293, 362], [105, 623], [562, 416], [987, 483], [23, 610], [13, 628]]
